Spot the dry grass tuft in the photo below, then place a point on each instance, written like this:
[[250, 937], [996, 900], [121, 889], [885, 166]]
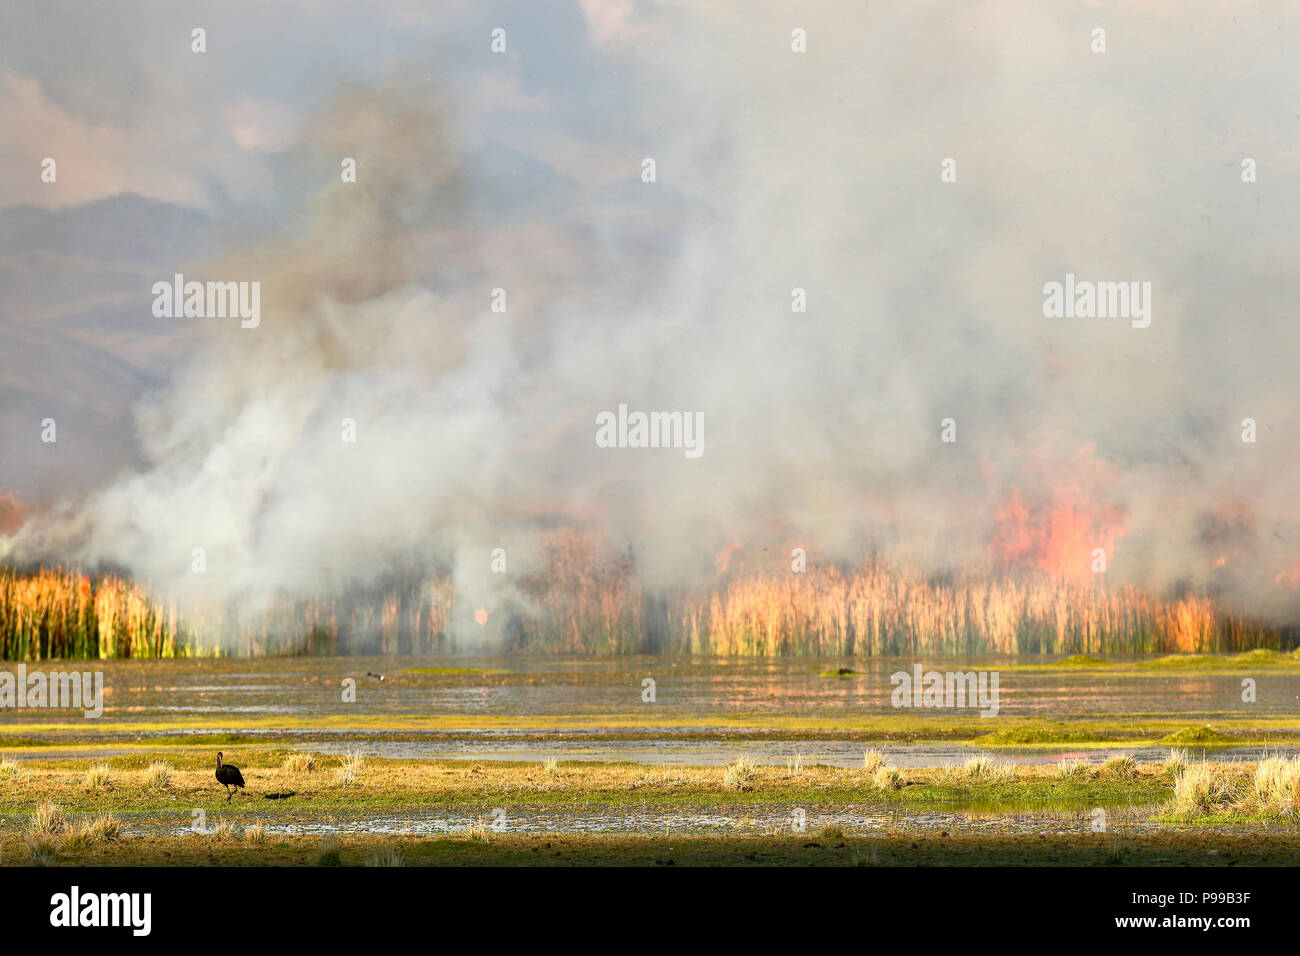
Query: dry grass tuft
[[980, 767], [99, 776], [299, 762], [832, 831], [327, 851], [40, 851], [740, 775], [349, 768], [103, 828], [223, 832], [48, 820], [387, 856], [1203, 788], [872, 760], [1073, 768], [887, 778], [1276, 787], [1177, 761], [1120, 766], [159, 775]]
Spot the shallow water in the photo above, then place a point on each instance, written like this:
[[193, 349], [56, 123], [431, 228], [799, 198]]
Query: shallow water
[[772, 819], [147, 690], [833, 753], [227, 693]]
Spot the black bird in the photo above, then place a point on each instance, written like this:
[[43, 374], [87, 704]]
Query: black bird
[[228, 777]]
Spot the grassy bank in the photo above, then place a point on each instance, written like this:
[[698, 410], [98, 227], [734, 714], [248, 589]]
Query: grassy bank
[[139, 810], [278, 784], [1115, 730]]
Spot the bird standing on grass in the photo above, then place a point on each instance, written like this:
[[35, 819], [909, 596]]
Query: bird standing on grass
[[228, 777]]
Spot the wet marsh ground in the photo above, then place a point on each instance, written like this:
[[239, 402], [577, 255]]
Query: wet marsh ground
[[561, 762]]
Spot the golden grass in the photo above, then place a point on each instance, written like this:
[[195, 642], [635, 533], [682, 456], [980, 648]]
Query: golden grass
[[1205, 789], [99, 776], [1276, 786], [1177, 761], [299, 762], [887, 778], [102, 828], [349, 770], [255, 834], [47, 820], [159, 775], [872, 760], [979, 766], [740, 775], [1067, 767], [224, 832], [443, 783], [1120, 765], [9, 769]]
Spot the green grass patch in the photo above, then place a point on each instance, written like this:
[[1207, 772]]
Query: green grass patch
[[1199, 737], [1031, 737], [1082, 660], [1250, 660], [386, 785]]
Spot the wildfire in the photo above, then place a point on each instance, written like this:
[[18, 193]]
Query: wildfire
[[1058, 532], [1289, 578], [723, 557], [12, 514]]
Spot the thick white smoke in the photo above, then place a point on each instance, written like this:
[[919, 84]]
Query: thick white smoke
[[776, 170]]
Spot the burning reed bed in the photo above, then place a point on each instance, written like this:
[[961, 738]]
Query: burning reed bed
[[579, 602], [55, 613]]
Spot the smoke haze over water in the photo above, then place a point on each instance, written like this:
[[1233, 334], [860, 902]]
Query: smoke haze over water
[[775, 171]]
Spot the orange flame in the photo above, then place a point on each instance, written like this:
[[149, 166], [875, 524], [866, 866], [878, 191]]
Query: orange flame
[[1058, 532], [12, 514], [723, 557]]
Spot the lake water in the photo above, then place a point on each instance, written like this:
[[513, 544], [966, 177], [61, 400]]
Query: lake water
[[239, 695]]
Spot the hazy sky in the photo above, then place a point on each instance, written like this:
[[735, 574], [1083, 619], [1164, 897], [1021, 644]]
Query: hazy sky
[[776, 170]]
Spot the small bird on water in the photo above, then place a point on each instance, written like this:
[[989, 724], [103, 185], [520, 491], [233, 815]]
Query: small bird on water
[[228, 777]]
